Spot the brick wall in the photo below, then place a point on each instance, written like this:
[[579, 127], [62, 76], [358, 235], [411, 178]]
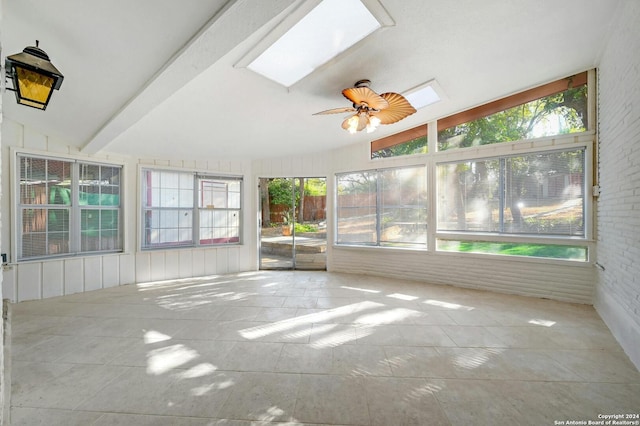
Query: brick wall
[[617, 297]]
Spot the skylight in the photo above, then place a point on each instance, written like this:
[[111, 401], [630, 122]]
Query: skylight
[[327, 30], [423, 95]]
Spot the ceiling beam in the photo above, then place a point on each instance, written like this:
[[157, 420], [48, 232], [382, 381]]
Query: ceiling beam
[[236, 21]]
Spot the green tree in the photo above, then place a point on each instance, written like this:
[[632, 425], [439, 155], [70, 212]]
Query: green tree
[[265, 202], [568, 108]]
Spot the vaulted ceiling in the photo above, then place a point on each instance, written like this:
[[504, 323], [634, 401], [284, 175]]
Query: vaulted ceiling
[[159, 78]]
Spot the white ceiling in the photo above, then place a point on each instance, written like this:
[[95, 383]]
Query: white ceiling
[[156, 78]]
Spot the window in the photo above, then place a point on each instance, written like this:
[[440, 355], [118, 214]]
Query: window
[[186, 209], [556, 108], [518, 189], [219, 211], [99, 200], [539, 193], [67, 207], [548, 251], [409, 142], [553, 109], [383, 207]]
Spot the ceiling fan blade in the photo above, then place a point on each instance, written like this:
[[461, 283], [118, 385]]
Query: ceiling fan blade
[[399, 108], [364, 95], [336, 111]]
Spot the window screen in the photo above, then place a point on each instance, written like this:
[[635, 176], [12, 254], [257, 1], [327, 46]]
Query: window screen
[[540, 193]]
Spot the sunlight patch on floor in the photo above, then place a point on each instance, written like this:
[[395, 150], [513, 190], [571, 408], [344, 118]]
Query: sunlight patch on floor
[[310, 331], [163, 360], [364, 290], [401, 296], [335, 339], [200, 370], [157, 285], [475, 358], [152, 336], [545, 323], [387, 317], [291, 323], [448, 305]]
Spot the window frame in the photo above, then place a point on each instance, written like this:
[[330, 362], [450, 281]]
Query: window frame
[[379, 207], [398, 139], [432, 129], [194, 208], [75, 209], [502, 197], [586, 140]]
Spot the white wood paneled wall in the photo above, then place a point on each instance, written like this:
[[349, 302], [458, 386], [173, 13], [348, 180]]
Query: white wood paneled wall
[[58, 277]]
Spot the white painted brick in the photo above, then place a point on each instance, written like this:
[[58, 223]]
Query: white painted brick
[[573, 283], [618, 207]]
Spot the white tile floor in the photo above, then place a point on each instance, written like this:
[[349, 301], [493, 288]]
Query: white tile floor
[[312, 348]]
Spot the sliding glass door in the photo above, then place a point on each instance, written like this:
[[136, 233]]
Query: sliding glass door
[[293, 223]]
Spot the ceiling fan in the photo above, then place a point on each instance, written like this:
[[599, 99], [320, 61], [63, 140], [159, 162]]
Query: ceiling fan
[[370, 108]]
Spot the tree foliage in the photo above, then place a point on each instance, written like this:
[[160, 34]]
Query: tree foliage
[[412, 147], [522, 176], [564, 112]]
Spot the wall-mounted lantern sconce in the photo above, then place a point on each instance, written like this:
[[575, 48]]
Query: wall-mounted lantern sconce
[[34, 76]]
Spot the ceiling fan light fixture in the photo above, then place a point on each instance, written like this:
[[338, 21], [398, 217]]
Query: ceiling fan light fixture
[[374, 122], [352, 124], [371, 109]]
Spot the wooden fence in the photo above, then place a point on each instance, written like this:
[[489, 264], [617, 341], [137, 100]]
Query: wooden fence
[[315, 209]]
